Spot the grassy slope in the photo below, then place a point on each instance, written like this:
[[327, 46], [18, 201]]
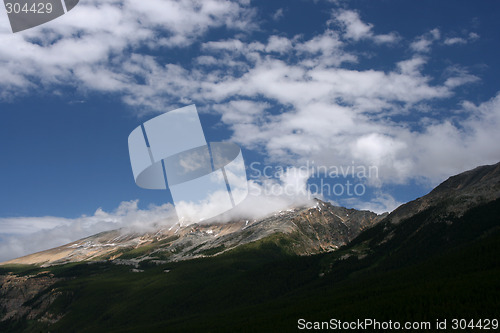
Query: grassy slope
[[261, 287]]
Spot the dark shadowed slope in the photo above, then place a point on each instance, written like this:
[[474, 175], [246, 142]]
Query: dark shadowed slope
[[434, 258]]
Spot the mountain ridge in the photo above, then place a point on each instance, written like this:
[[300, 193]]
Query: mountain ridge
[[440, 261], [319, 228], [327, 232], [460, 192]]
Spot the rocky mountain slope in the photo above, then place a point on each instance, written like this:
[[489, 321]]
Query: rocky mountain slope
[[433, 258], [457, 194], [463, 209], [308, 230], [17, 291]]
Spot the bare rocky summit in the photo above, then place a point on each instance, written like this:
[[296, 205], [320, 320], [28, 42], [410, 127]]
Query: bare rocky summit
[[457, 194], [308, 230]]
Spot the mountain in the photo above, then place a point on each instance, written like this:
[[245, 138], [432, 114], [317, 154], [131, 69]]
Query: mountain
[[432, 259], [462, 210], [306, 230], [457, 194]]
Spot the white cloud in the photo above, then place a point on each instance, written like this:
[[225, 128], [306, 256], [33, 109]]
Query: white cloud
[[325, 49], [278, 44], [471, 37], [242, 111], [459, 77], [87, 46], [24, 235], [29, 225], [354, 28], [382, 203], [447, 148], [295, 181], [317, 128], [278, 15], [423, 43], [455, 40]]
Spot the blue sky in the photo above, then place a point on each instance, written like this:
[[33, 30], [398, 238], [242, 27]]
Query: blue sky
[[410, 87]]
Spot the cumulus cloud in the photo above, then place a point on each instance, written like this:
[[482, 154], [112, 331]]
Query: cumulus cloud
[[461, 144], [87, 46], [317, 127], [278, 15], [471, 37], [287, 190], [354, 28], [278, 44], [455, 40], [20, 236], [381, 203], [423, 43]]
